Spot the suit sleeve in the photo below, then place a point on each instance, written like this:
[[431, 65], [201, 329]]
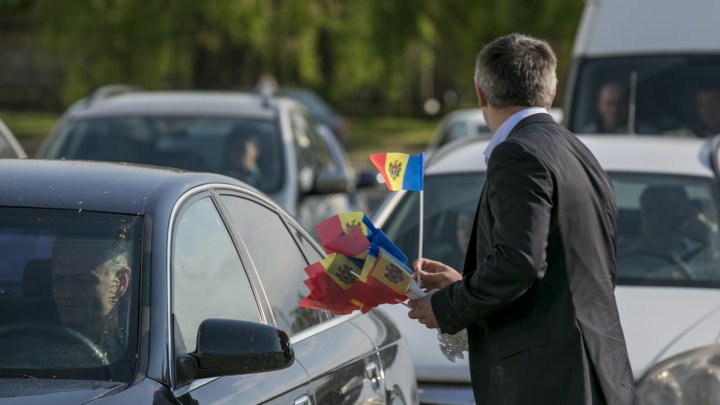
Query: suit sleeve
[[520, 191]]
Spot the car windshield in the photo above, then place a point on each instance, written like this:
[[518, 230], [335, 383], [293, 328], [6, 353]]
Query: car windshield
[[671, 95], [247, 149], [667, 231], [449, 209], [68, 294]]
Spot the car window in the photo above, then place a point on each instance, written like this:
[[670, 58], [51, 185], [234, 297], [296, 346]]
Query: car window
[[6, 151], [449, 210], [310, 143], [69, 293], [455, 130], [278, 260], [661, 91], [213, 144], [208, 278], [308, 248], [667, 230]]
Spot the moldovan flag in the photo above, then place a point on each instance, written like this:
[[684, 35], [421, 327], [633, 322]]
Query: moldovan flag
[[325, 293], [392, 273], [400, 170], [345, 233]]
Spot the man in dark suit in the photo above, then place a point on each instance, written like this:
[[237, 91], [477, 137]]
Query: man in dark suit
[[537, 290]]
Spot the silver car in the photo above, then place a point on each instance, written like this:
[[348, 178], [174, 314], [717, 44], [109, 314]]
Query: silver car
[[669, 299], [297, 164]]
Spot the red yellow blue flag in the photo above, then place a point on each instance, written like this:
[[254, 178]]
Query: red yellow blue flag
[[346, 233], [400, 170]]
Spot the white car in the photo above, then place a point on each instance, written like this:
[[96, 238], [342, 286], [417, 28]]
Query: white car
[[468, 122], [669, 308]]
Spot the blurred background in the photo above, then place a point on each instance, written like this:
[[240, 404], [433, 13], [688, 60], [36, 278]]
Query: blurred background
[[391, 68]]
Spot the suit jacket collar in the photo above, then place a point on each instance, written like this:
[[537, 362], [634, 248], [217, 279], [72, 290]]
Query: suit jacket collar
[[508, 126]]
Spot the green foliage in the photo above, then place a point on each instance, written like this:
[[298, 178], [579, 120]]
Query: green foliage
[[386, 53]]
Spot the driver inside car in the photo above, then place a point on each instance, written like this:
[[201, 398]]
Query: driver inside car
[[673, 233], [89, 278]]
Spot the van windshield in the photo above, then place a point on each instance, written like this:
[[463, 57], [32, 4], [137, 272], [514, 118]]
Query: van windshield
[[666, 95]]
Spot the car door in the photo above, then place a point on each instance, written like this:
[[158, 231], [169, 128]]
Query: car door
[[342, 360], [209, 280]]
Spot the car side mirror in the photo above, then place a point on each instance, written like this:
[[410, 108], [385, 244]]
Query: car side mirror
[[228, 347], [329, 183], [368, 179]]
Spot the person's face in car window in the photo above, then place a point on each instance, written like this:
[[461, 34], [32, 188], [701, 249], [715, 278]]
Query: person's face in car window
[[87, 283], [244, 153], [612, 105], [707, 107]]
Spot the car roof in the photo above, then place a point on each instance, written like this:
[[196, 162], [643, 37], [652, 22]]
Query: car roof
[[95, 186], [649, 154], [196, 103]]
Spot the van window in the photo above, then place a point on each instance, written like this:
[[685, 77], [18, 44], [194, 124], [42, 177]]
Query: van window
[[669, 95]]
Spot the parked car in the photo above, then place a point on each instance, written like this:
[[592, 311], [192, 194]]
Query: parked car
[[669, 300], [124, 284], [299, 168], [9, 146], [321, 111], [466, 122]]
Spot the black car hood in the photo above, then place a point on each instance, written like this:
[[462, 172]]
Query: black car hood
[[43, 391]]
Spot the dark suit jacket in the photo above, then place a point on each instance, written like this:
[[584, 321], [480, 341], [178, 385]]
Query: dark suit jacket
[[537, 293]]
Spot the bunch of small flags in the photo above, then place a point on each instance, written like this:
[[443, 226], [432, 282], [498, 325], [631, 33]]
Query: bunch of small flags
[[363, 268]]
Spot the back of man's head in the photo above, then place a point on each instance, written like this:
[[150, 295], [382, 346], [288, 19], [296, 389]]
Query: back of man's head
[[517, 70]]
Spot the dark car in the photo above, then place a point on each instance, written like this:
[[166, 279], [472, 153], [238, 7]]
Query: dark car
[[207, 131], [122, 284]]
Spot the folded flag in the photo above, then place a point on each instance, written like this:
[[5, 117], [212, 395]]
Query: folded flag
[[379, 239], [345, 233], [400, 170], [363, 267], [325, 293], [391, 272]]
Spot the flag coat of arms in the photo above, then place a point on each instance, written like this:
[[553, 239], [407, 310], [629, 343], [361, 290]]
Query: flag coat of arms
[[401, 171]]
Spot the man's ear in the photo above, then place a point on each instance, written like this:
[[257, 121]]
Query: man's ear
[[482, 101], [123, 284]]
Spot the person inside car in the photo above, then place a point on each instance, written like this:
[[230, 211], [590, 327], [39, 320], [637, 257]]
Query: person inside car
[[707, 110], [243, 153], [612, 110], [673, 233], [612, 114], [89, 278]]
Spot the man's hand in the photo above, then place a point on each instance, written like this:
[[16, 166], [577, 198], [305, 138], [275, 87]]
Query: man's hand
[[435, 275], [423, 312]]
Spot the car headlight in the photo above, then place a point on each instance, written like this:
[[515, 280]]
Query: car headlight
[[689, 378]]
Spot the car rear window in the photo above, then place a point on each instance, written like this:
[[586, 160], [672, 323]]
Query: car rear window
[[207, 144]]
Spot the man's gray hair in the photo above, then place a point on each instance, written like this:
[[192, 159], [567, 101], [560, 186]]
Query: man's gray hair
[[517, 70]]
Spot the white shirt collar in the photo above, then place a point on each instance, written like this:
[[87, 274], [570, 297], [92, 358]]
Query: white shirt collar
[[502, 133]]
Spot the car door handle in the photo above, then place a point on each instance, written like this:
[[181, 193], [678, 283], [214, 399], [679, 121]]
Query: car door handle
[[373, 374], [302, 400]]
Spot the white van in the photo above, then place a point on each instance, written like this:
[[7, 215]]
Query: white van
[[662, 53]]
